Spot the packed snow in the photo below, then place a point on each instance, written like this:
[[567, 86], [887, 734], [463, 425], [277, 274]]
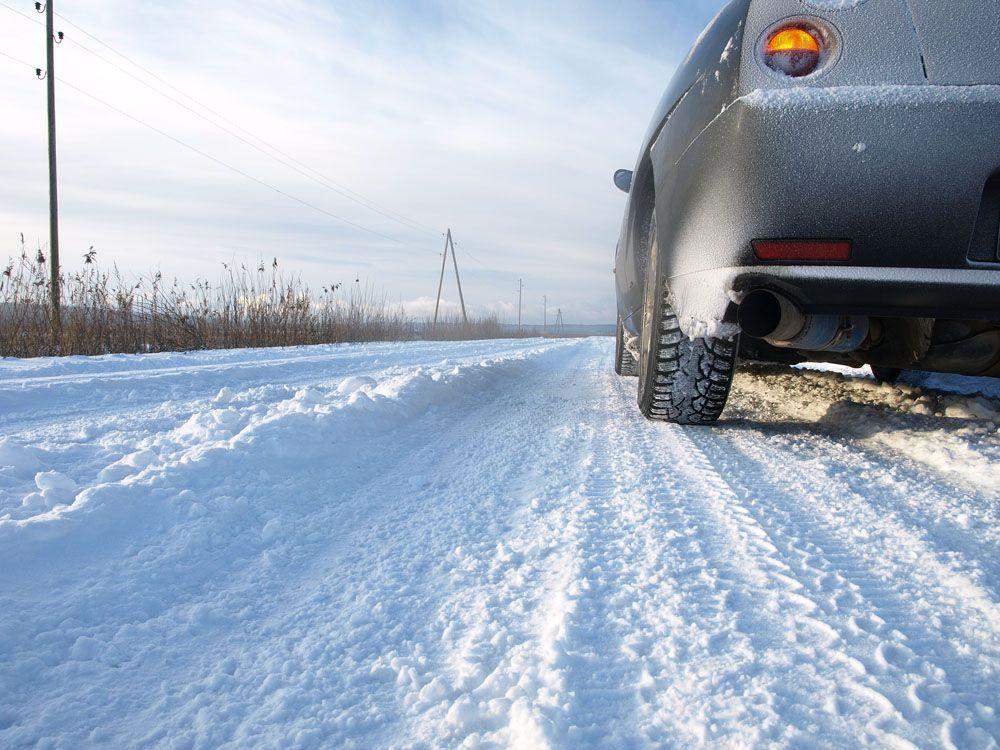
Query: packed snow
[[482, 545]]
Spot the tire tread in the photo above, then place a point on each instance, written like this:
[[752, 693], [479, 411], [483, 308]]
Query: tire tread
[[693, 378]]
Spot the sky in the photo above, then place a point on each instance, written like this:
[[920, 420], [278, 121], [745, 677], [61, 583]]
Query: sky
[[501, 120]]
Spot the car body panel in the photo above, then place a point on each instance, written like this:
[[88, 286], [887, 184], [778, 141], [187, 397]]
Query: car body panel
[[706, 82], [960, 41], [901, 174], [714, 58], [878, 45], [868, 151]]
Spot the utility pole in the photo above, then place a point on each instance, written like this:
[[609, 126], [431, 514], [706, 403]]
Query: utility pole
[[520, 291], [444, 262], [50, 75], [454, 258], [545, 313], [449, 244]]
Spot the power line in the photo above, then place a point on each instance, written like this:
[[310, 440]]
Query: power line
[[282, 157], [208, 156], [471, 256], [227, 165], [251, 144], [278, 155], [18, 60]]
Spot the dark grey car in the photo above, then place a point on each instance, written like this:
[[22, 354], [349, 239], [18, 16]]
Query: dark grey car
[[821, 182]]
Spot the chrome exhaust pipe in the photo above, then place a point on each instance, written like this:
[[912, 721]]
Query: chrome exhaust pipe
[[773, 317], [765, 315]]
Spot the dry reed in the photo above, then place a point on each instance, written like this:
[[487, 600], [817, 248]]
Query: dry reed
[[105, 312]]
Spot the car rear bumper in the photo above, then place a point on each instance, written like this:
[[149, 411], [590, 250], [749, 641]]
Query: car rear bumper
[[900, 171], [866, 290]]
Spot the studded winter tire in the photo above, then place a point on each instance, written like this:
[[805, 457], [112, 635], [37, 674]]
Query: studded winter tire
[[680, 380]]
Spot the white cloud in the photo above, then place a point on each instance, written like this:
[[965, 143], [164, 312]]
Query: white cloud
[[423, 307], [503, 121]]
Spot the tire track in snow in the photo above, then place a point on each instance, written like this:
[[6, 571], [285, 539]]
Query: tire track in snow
[[600, 673], [504, 643], [620, 551], [543, 652], [667, 669], [933, 673], [700, 653], [953, 455], [892, 493], [718, 671], [657, 587], [961, 523]]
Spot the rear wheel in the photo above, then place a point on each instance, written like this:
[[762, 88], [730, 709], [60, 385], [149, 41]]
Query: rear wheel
[[680, 380], [625, 362]]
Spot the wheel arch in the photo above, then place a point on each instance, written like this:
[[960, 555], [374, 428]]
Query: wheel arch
[[642, 210], [704, 84]]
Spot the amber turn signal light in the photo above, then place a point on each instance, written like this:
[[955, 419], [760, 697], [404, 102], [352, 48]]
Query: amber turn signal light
[[794, 51]]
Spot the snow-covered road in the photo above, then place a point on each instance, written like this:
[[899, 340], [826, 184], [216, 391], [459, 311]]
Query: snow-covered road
[[482, 545]]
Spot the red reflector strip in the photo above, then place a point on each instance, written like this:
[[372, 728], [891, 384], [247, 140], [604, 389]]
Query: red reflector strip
[[807, 250]]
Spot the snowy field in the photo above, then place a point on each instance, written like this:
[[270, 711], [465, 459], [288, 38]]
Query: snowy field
[[482, 545]]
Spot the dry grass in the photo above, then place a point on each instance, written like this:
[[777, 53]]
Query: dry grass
[[104, 312]]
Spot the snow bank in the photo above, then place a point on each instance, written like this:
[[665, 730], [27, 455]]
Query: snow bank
[[16, 458], [313, 424]]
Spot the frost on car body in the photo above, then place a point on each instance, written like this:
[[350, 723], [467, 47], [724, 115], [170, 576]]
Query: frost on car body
[[856, 142]]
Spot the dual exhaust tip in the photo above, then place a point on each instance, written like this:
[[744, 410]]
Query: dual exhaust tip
[[773, 317]]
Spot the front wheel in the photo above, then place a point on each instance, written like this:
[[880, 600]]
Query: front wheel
[[680, 380]]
